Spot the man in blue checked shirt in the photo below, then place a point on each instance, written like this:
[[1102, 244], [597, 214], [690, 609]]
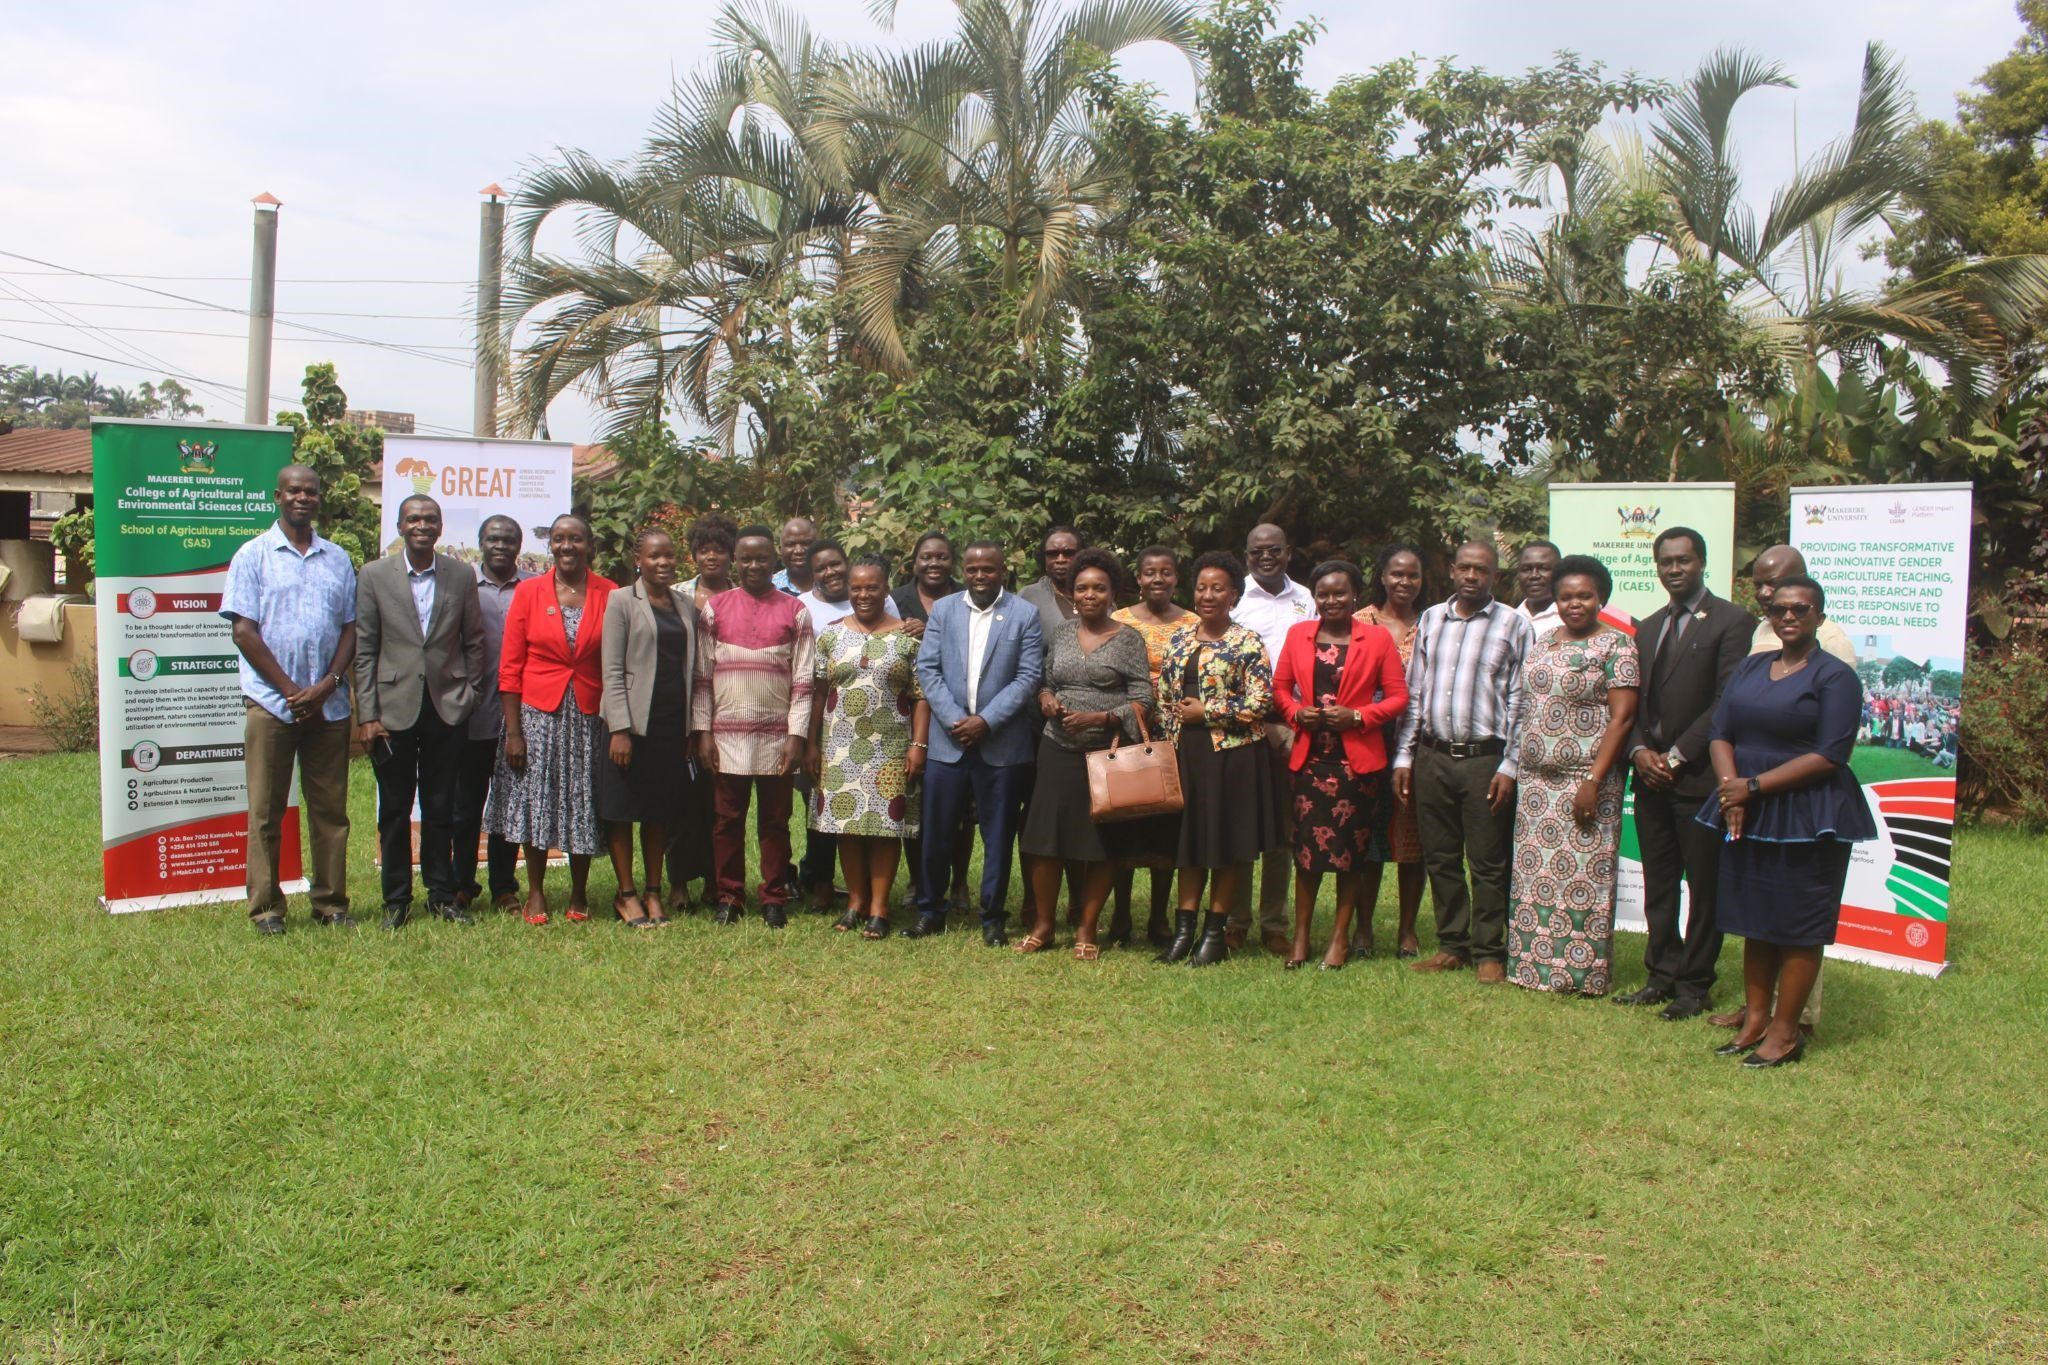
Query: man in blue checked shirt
[[292, 598]]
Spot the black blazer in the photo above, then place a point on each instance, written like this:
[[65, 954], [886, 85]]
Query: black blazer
[[1675, 709]]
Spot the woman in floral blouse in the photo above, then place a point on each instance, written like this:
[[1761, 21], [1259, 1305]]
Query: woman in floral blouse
[[1215, 691]]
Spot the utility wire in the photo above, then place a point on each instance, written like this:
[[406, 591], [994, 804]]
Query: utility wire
[[231, 336], [215, 279], [187, 298], [219, 307], [21, 293]]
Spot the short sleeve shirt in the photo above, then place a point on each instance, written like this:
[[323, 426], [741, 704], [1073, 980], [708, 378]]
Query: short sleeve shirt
[[300, 603]]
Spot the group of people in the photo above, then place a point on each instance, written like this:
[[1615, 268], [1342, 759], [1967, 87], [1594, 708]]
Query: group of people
[[1327, 727]]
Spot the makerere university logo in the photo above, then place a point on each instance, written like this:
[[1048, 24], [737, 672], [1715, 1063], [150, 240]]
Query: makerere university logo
[[196, 457], [1638, 523], [1816, 514]]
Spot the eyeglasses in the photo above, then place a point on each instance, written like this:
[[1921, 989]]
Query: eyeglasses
[[1798, 611]]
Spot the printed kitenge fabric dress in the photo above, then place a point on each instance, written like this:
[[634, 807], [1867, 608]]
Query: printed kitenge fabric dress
[[868, 686], [1561, 901], [1338, 815]]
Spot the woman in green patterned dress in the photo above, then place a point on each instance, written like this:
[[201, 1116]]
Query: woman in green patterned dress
[[1579, 689], [867, 745]]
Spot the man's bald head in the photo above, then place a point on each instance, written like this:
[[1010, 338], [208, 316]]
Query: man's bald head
[[1772, 567]]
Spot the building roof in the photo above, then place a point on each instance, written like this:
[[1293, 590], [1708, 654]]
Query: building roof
[[46, 452], [593, 461]]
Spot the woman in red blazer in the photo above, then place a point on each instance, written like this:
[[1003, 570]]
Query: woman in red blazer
[[549, 680], [1337, 682]]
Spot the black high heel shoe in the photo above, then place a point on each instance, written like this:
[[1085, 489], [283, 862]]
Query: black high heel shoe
[[1790, 1055], [1735, 1049]]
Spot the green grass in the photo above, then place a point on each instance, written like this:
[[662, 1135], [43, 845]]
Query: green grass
[[1875, 763], [508, 1143]]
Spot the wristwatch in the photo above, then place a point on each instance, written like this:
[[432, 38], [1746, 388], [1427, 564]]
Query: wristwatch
[[1755, 787]]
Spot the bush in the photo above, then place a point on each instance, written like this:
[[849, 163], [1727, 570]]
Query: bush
[[2004, 716], [70, 721]]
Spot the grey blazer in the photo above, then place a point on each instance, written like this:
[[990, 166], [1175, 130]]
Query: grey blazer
[[628, 651], [394, 666]]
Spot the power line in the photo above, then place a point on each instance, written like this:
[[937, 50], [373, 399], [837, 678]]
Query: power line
[[231, 336], [214, 279], [23, 294], [187, 298], [220, 307]]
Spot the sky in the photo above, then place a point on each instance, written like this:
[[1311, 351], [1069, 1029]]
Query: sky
[[134, 135]]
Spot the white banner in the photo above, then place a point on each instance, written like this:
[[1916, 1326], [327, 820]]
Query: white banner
[[1894, 560], [474, 478]]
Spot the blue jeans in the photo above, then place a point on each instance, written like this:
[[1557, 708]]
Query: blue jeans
[[998, 794]]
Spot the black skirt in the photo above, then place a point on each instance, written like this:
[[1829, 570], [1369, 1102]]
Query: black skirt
[[655, 789], [1789, 894], [1058, 825], [1233, 813]]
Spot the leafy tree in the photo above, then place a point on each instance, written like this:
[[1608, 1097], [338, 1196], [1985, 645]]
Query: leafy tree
[[344, 455], [659, 481]]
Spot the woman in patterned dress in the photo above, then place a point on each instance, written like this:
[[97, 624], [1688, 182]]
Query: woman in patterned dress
[[550, 681], [1337, 683], [1156, 616], [1395, 605], [1579, 690], [867, 745]]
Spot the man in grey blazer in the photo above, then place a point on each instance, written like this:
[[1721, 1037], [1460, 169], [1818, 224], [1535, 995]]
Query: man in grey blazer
[[419, 660], [979, 666]]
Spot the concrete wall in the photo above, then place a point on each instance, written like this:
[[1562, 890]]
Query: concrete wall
[[24, 666]]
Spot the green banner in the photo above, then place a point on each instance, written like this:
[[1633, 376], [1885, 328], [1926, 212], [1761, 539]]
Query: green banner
[[1618, 523], [171, 498]]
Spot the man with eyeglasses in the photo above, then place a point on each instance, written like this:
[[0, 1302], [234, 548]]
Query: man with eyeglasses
[[1689, 647], [1271, 603], [1771, 568]]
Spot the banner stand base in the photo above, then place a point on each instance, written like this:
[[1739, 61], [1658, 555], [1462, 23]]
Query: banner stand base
[[215, 896], [1888, 961]]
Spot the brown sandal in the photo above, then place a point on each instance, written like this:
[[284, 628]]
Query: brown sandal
[[1032, 943], [1086, 952]]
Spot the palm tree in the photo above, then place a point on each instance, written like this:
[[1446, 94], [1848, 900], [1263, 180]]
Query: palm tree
[[991, 134], [694, 250]]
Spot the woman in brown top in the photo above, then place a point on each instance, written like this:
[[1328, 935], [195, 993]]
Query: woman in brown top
[[1394, 603]]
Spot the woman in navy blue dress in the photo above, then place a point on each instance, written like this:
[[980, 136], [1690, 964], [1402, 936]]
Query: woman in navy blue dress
[[1789, 808]]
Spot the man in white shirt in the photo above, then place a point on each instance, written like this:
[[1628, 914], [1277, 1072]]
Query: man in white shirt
[[1272, 603], [1535, 567]]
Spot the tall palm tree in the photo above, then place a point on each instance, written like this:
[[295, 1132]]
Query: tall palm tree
[[991, 134], [690, 250]]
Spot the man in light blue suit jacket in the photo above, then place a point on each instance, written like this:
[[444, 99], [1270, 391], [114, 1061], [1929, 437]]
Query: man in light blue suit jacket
[[980, 666]]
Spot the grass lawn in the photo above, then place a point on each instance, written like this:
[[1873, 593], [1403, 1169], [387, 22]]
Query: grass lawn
[[509, 1143]]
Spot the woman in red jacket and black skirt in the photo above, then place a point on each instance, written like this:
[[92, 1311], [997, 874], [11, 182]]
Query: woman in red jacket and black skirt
[[1337, 681]]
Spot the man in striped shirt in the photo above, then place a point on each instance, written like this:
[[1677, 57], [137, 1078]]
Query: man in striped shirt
[[1456, 760]]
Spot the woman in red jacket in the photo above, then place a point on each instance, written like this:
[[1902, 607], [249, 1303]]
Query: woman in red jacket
[[550, 679], [1337, 682]]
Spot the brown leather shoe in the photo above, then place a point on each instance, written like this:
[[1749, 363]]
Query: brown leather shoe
[[1233, 938], [1279, 945], [1492, 973], [1441, 962], [1732, 1019]]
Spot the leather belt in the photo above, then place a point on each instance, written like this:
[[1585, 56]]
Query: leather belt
[[1478, 748]]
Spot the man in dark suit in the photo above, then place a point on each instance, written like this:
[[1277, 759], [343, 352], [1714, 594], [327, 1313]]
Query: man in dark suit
[[419, 662], [979, 665], [1689, 647]]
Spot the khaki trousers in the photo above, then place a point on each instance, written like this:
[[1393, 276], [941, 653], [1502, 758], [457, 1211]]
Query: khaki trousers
[[320, 747]]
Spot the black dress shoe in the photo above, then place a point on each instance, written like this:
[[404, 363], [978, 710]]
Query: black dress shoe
[[775, 916], [1791, 1055], [340, 919], [995, 933], [930, 924], [1735, 1049], [269, 924], [395, 916], [727, 913], [1648, 995], [451, 912], [1683, 1007]]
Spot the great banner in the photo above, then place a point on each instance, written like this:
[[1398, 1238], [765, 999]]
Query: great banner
[[1895, 562], [172, 502], [473, 478], [1618, 523]]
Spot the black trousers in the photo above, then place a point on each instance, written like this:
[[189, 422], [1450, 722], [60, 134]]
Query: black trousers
[[1460, 831], [1675, 845], [472, 793], [689, 843], [423, 762]]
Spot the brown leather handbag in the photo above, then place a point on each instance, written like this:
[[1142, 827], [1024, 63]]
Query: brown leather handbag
[[1130, 783]]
